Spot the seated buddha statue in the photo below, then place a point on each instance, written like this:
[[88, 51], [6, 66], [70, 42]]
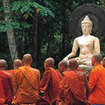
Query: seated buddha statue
[[88, 44]]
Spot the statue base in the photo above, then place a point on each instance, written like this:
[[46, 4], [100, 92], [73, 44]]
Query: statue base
[[87, 69]]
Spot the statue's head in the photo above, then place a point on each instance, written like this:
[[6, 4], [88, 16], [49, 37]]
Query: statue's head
[[86, 25], [86, 20]]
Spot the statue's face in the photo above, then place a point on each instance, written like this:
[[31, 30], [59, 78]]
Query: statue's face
[[86, 28]]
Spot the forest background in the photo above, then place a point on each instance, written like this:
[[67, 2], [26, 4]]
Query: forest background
[[38, 27]]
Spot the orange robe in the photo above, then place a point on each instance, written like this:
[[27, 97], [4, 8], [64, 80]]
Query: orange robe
[[5, 88], [72, 88], [25, 83], [97, 85], [50, 84], [2, 95], [78, 69], [10, 71]]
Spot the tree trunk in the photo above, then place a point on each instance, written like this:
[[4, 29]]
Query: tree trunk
[[10, 32], [35, 41]]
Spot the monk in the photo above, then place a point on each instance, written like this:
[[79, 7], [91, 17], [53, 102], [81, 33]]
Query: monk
[[5, 86], [73, 86], [26, 83], [97, 81], [16, 64], [62, 66], [50, 81]]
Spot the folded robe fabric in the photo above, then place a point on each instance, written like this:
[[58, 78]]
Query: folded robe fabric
[[72, 88], [50, 84], [25, 83], [5, 88], [97, 85]]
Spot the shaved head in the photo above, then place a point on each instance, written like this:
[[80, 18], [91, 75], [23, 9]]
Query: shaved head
[[27, 59], [49, 62], [62, 66], [63, 63], [17, 63], [97, 57], [73, 64], [3, 63]]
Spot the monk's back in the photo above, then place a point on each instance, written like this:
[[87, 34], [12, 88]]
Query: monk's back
[[25, 87], [76, 83], [6, 87], [97, 80], [50, 83], [27, 82], [54, 83]]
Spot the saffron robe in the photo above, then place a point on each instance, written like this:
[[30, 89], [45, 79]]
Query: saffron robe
[[97, 85], [2, 95], [50, 84], [73, 88], [25, 83], [5, 88], [10, 71]]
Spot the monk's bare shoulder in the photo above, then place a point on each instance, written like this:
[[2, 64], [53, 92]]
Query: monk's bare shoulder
[[36, 71]]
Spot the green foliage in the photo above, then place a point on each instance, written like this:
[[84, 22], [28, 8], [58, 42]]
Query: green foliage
[[52, 49], [19, 9], [30, 7], [26, 25], [102, 48], [4, 26], [52, 26], [4, 50]]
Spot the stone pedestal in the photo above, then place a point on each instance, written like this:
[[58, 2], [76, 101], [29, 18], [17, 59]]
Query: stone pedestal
[[86, 68]]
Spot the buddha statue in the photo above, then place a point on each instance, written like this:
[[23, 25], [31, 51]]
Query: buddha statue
[[87, 43]]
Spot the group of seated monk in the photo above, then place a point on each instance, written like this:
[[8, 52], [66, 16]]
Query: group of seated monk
[[69, 85]]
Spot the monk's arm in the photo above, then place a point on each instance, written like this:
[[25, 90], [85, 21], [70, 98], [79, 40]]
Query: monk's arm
[[45, 80], [74, 50]]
